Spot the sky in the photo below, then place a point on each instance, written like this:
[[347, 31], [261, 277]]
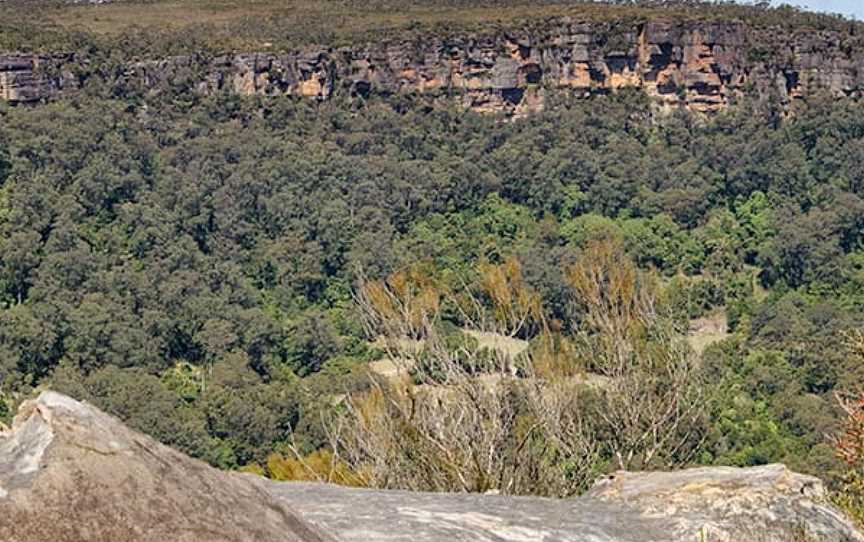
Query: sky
[[846, 7]]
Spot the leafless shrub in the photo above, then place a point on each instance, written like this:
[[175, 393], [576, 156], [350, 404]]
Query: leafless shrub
[[653, 401], [475, 420]]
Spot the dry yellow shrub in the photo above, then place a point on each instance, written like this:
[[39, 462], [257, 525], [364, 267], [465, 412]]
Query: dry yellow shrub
[[319, 466]]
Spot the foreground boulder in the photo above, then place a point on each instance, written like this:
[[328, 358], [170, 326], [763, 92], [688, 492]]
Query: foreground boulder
[[69, 472]]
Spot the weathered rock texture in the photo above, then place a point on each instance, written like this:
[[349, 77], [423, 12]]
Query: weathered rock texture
[[760, 504], [701, 66], [30, 78], [71, 473]]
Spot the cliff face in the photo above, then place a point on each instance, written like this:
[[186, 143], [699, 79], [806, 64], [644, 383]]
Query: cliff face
[[701, 66], [30, 78], [70, 472]]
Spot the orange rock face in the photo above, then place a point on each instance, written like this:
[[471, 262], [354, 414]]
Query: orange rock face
[[696, 65]]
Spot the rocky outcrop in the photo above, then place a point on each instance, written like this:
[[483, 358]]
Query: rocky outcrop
[[701, 66], [30, 77], [698, 65], [759, 504], [70, 472]]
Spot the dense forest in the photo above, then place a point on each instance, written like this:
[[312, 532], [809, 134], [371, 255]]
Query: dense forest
[[133, 29], [221, 272]]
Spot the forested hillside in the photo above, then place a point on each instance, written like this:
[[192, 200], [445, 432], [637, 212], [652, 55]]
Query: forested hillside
[[222, 271]]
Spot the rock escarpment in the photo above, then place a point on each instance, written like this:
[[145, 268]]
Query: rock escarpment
[[70, 472], [31, 77], [698, 65]]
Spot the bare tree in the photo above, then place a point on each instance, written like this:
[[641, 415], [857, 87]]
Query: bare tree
[[465, 420], [570, 448], [404, 313], [501, 302], [652, 400], [849, 443], [471, 424]]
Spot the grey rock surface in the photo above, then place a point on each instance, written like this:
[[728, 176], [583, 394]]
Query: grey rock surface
[[356, 515], [758, 504], [70, 473]]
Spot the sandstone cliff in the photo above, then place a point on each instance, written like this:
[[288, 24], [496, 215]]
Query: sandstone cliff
[[29, 78], [698, 65], [70, 472]]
